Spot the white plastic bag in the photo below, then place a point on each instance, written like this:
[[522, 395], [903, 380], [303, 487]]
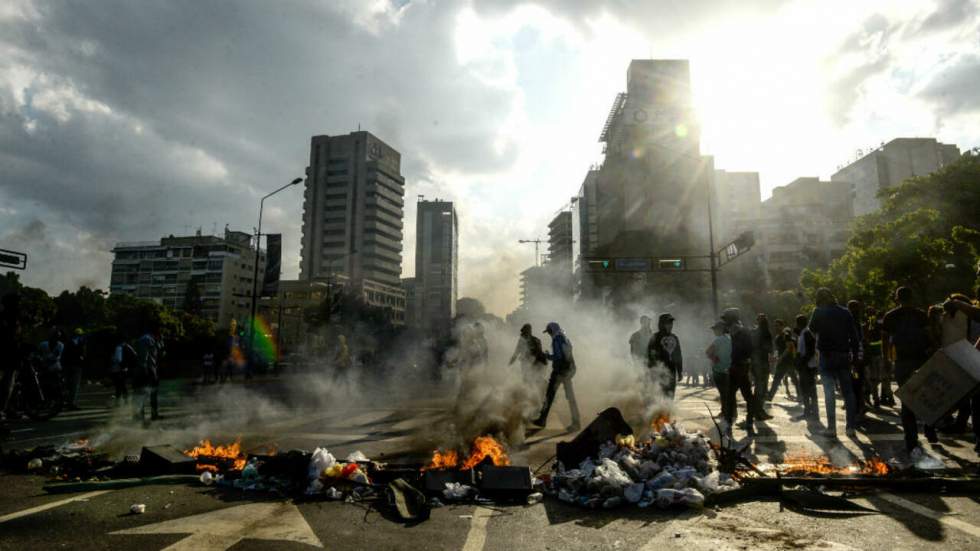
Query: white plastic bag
[[356, 456], [320, 461]]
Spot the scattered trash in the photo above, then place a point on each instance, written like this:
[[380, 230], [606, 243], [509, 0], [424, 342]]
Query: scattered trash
[[671, 468], [536, 497], [207, 478], [34, 464], [357, 456], [455, 491], [137, 508]]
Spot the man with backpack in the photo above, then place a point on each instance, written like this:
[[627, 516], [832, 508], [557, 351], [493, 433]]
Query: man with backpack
[[908, 329]]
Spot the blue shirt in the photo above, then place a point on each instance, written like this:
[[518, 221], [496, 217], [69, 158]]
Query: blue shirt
[[722, 347]]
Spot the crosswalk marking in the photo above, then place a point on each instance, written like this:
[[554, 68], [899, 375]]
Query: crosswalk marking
[[51, 505]]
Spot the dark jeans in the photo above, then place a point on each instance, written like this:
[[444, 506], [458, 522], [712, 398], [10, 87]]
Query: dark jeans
[[808, 392], [73, 378], [858, 382], [904, 368], [564, 378], [760, 376], [739, 380], [835, 370], [726, 390], [119, 382], [783, 370]]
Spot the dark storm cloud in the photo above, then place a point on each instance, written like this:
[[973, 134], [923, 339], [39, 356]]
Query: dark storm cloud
[[142, 119]]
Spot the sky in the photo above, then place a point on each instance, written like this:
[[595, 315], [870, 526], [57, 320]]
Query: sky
[[128, 121]]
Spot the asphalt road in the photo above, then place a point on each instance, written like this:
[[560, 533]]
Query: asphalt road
[[197, 517]]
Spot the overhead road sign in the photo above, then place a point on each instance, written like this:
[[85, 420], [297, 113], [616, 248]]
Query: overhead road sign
[[13, 259]]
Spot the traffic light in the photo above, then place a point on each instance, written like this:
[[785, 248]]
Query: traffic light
[[670, 264]]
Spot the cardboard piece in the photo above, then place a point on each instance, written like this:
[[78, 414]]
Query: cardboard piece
[[936, 388]]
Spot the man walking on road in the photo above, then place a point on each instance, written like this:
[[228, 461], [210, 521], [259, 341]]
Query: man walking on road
[[73, 360], [665, 361], [908, 329], [837, 342], [741, 366], [807, 363], [147, 378], [562, 371]]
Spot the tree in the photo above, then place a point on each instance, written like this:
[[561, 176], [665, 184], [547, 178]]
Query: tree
[[926, 236]]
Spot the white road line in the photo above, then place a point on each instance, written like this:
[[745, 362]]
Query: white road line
[[476, 538], [52, 505], [929, 513]]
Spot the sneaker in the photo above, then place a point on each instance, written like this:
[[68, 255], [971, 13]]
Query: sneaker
[[763, 416]]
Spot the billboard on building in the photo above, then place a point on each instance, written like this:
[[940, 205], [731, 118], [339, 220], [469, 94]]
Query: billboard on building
[[273, 264]]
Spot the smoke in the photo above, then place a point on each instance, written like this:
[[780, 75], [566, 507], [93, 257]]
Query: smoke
[[476, 396]]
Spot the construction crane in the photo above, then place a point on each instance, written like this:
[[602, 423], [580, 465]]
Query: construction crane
[[537, 244]]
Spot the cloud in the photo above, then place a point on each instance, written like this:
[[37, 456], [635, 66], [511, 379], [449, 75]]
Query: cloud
[[954, 89]]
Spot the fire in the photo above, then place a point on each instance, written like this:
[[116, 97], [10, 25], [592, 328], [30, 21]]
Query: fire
[[443, 460], [818, 465], [659, 422], [232, 452], [482, 448]]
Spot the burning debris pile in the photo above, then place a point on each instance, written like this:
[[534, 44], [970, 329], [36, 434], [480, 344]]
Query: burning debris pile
[[670, 468], [75, 461]]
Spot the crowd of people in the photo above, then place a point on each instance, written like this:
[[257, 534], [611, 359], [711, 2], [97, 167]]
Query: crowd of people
[[854, 352]]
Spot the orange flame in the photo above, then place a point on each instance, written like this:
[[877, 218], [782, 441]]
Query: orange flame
[[443, 460], [482, 448], [803, 464], [659, 422], [207, 450]]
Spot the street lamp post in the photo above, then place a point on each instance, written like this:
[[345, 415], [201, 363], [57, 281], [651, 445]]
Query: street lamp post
[[255, 272]]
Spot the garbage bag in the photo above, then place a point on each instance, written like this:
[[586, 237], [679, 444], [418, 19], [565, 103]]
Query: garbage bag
[[320, 461], [669, 497], [692, 498], [634, 492], [661, 481], [609, 474]]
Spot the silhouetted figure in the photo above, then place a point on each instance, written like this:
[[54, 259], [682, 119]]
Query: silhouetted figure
[[562, 371]]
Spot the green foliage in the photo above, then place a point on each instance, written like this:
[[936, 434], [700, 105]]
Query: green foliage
[[926, 236]]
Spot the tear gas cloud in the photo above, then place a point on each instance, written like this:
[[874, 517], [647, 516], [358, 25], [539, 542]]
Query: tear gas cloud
[[493, 398]]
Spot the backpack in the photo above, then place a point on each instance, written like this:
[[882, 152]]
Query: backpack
[[741, 345]]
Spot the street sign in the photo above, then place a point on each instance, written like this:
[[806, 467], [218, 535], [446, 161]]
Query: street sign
[[598, 265], [633, 264], [670, 264], [13, 259]]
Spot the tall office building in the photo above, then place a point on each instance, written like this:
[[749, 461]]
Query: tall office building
[[436, 265], [889, 165], [652, 189], [352, 217]]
